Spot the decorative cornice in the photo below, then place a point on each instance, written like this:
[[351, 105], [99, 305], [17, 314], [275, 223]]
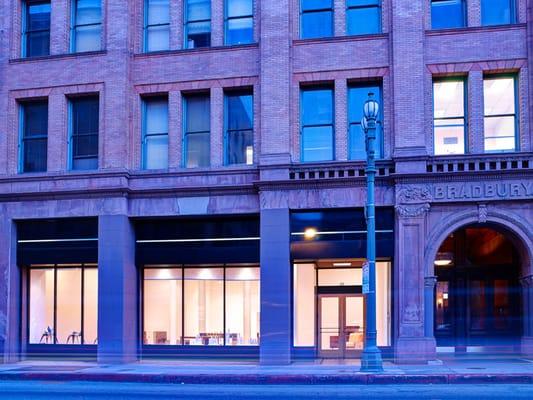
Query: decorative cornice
[[412, 211]]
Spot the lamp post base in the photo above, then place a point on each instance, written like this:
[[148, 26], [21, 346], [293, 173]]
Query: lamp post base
[[371, 360]]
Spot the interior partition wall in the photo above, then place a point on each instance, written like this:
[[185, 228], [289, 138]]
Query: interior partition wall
[[200, 286]]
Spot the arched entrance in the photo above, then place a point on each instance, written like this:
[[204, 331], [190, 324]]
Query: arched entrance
[[477, 301]]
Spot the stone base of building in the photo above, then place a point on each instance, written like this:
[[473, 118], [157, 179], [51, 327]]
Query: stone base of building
[[415, 350], [526, 347]]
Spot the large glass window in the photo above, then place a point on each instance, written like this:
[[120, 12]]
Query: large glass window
[[87, 25], [498, 12], [304, 304], [449, 116], [239, 124], [156, 25], [155, 133], [363, 17], [197, 130], [499, 99], [197, 23], [317, 124], [448, 14], [36, 28], [316, 19], [84, 132], [357, 96], [34, 141], [239, 21], [201, 306], [63, 304]]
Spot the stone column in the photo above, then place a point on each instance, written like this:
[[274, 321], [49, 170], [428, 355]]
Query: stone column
[[275, 287], [118, 336], [11, 347], [415, 342], [429, 316], [527, 316]]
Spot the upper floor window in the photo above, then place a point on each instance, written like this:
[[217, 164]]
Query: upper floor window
[[197, 23], [500, 111], [155, 133], [86, 25], [84, 112], [357, 96], [449, 116], [156, 25], [34, 138], [448, 14], [36, 28], [363, 17], [196, 137], [239, 21], [239, 128], [317, 133], [498, 12], [316, 18]]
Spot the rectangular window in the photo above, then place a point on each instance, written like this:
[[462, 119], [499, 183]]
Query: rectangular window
[[239, 125], [156, 25], [212, 306], [363, 17], [316, 19], [84, 112], [197, 131], [448, 14], [449, 116], [501, 120], [357, 96], [155, 133], [239, 21], [86, 26], [63, 305], [36, 28], [197, 23], [317, 131], [498, 12], [34, 138]]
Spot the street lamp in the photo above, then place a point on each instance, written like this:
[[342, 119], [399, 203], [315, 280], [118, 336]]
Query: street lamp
[[371, 357]]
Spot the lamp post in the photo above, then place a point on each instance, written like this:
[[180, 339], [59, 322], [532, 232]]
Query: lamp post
[[371, 357]]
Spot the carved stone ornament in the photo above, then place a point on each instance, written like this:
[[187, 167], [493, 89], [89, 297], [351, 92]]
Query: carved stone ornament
[[482, 213], [412, 211], [413, 201]]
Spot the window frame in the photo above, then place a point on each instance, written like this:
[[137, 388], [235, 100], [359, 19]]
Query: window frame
[[21, 136], [24, 27], [186, 23], [74, 26], [466, 128], [464, 16], [513, 16], [55, 267], [147, 26], [71, 135], [380, 137], [379, 6], [227, 19], [187, 134], [516, 94], [238, 92], [144, 135], [302, 126], [331, 10]]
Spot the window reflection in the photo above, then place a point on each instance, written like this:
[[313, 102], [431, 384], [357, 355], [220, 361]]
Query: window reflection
[[357, 96], [497, 12], [447, 14], [363, 17], [316, 18], [157, 25], [500, 114], [317, 124], [449, 117]]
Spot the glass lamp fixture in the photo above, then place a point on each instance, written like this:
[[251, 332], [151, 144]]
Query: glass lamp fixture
[[364, 124], [371, 108], [443, 259], [310, 233]]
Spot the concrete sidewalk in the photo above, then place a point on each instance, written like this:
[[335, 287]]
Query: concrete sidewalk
[[450, 370]]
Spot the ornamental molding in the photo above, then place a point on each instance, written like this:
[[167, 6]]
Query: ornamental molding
[[412, 211], [482, 213], [413, 201]]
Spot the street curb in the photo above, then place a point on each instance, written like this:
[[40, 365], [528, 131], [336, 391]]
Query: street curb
[[271, 379]]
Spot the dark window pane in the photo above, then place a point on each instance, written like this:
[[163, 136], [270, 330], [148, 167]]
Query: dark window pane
[[38, 44], [240, 147], [198, 114], [317, 107], [317, 24], [84, 145], [240, 112], [85, 115], [197, 150], [34, 154], [38, 16], [35, 119], [362, 3], [237, 8], [363, 21], [447, 14], [240, 31], [88, 12], [239, 128], [198, 34], [158, 12], [357, 96], [496, 12], [317, 143], [316, 4], [85, 163]]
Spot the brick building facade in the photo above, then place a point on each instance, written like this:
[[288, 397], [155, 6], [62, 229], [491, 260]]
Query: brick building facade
[[127, 220]]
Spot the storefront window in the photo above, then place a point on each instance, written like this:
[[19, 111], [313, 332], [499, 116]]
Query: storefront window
[[208, 306], [57, 302], [304, 304]]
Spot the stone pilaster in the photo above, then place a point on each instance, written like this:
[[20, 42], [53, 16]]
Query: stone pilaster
[[527, 316]]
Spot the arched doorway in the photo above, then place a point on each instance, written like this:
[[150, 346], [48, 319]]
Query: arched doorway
[[477, 293]]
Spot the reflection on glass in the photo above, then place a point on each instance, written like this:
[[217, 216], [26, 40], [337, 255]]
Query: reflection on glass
[[239, 128], [316, 18], [363, 17], [157, 28], [197, 130], [357, 96], [304, 304], [447, 14], [239, 22], [498, 12], [449, 117], [443, 316], [37, 29], [500, 114], [87, 25], [41, 315], [317, 124], [197, 23], [155, 133]]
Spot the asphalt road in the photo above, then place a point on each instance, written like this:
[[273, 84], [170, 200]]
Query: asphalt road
[[114, 391]]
